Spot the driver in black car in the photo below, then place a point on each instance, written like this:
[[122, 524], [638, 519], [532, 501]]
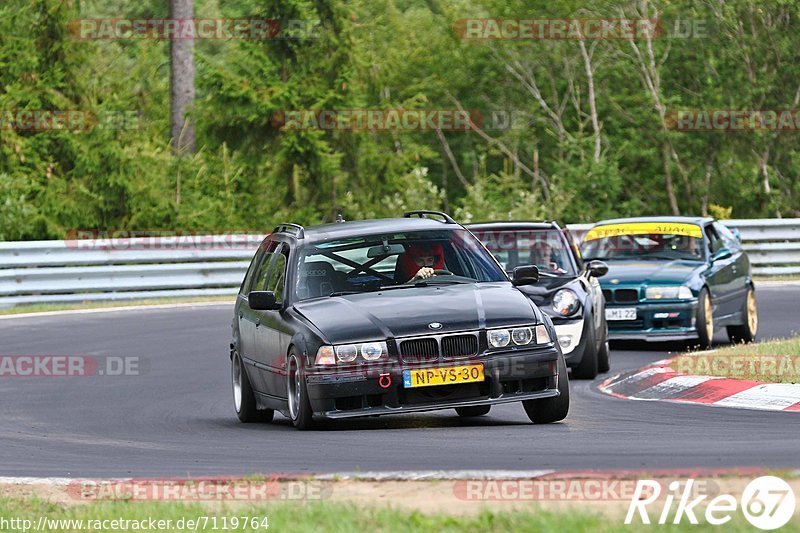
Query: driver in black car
[[419, 262]]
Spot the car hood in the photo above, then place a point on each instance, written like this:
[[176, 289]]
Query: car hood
[[649, 272], [407, 312]]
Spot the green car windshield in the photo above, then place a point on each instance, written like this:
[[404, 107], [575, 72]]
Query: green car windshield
[[644, 241]]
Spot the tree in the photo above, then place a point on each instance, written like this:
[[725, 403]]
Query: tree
[[182, 87]]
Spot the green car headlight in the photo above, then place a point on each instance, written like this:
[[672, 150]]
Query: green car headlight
[[673, 292]]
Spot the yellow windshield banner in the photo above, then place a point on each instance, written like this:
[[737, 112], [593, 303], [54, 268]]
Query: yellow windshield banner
[[644, 228]]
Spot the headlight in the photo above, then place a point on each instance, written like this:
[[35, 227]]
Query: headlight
[[565, 302], [372, 351], [348, 353], [498, 338], [674, 292], [522, 336]]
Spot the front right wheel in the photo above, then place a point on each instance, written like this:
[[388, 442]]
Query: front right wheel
[[548, 410], [747, 331]]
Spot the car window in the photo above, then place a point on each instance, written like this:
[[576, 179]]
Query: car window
[[260, 278], [714, 242], [546, 248], [728, 238], [255, 264], [277, 275], [373, 262], [644, 240]]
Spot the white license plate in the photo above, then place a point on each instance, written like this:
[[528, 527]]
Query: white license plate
[[621, 313]]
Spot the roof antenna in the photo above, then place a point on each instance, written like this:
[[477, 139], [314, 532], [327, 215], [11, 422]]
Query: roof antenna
[[339, 218]]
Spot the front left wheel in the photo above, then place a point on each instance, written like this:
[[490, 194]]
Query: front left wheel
[[244, 400], [297, 394], [549, 410]]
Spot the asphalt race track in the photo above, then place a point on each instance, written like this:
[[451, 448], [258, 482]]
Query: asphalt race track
[[176, 418]]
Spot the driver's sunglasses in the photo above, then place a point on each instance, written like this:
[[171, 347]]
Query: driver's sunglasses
[[426, 260]]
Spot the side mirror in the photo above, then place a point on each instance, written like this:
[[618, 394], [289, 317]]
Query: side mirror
[[525, 275], [597, 269], [722, 253], [263, 301]]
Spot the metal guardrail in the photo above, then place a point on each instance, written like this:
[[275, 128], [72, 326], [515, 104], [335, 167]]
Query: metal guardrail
[[131, 269], [123, 268], [773, 245]]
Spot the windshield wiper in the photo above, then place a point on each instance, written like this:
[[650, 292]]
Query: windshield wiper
[[430, 281], [344, 293]]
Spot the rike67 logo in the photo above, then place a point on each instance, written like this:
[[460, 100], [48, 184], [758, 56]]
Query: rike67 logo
[[767, 503]]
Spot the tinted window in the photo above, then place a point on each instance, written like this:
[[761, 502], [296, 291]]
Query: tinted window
[[260, 278], [644, 240], [255, 264], [547, 249], [277, 275], [374, 262]]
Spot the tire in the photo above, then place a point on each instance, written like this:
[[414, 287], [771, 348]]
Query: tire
[[589, 365], [297, 394], [473, 410], [244, 400], [603, 364], [705, 320], [746, 332], [549, 410]]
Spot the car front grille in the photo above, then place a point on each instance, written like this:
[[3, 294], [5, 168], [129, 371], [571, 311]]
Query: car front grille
[[459, 346], [429, 349], [420, 350], [621, 296]]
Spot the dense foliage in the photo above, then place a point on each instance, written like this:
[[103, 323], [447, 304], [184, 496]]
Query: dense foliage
[[572, 130]]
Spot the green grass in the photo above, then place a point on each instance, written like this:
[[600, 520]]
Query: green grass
[[40, 308], [775, 361], [347, 518]]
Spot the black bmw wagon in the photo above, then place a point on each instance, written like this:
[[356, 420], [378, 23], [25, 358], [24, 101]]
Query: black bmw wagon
[[389, 316]]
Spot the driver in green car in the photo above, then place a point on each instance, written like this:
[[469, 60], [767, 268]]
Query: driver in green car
[[420, 261]]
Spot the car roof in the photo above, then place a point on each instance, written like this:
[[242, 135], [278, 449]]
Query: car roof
[[512, 225], [686, 220], [357, 228]]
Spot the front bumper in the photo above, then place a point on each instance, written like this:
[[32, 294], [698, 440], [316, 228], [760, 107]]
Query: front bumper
[[656, 322], [509, 377]]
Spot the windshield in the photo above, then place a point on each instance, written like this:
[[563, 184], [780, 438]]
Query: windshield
[[644, 241], [374, 262], [547, 249]]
